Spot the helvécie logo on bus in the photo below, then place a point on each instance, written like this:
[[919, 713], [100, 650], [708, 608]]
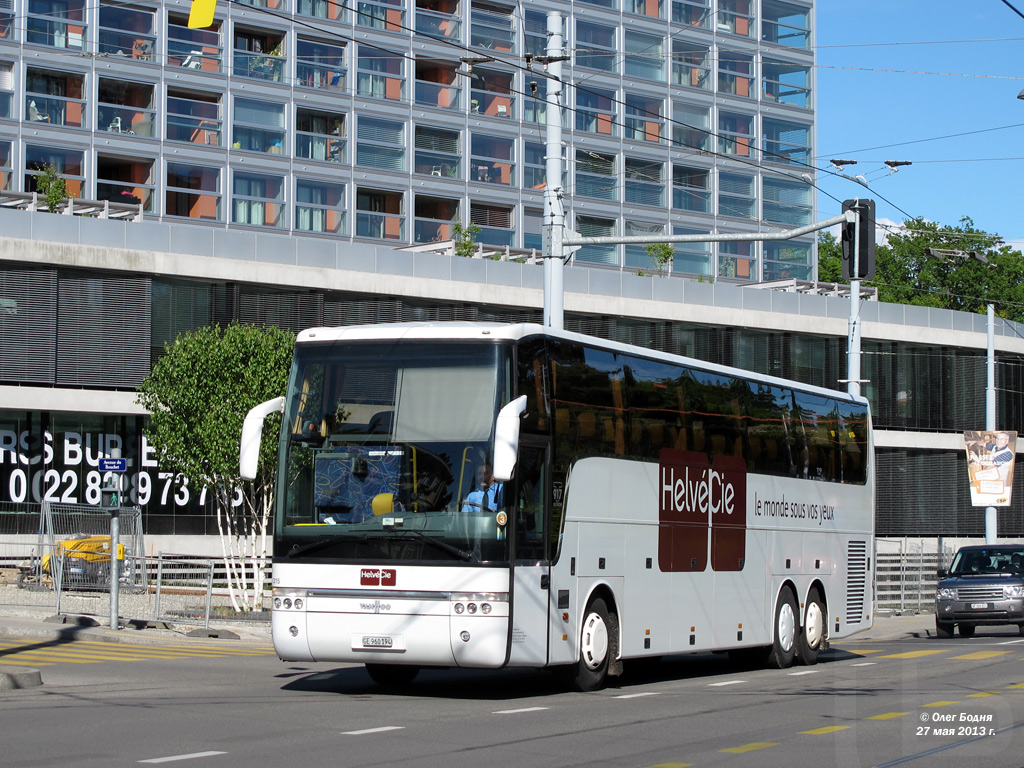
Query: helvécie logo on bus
[[378, 577], [698, 501]]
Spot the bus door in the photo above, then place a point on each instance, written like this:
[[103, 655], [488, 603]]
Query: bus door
[[531, 597]]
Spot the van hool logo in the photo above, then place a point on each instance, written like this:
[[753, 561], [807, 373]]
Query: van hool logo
[[374, 577]]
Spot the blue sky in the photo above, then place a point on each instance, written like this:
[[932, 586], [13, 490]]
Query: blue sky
[[874, 103]]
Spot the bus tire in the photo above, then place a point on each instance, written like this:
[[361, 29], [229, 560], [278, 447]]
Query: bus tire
[[392, 674], [812, 636], [785, 631], [595, 647]]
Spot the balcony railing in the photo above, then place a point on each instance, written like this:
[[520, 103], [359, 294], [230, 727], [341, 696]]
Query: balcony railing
[[55, 110], [438, 95], [380, 226], [310, 75], [259, 65], [57, 34], [116, 42], [494, 104], [129, 194], [439, 25], [130, 121], [314, 146], [196, 130], [431, 230]]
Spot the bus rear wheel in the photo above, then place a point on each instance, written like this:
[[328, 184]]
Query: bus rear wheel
[[595, 647], [392, 674], [786, 629], [811, 638]]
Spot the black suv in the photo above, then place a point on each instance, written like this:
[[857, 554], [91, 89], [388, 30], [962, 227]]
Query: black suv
[[984, 586]]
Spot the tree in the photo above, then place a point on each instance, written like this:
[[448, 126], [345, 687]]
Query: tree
[[53, 186], [906, 273], [198, 394], [464, 239], [661, 255]]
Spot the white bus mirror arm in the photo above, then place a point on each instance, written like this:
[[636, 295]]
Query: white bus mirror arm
[[506, 439], [252, 433]]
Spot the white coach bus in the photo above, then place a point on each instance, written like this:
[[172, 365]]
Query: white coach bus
[[642, 504]]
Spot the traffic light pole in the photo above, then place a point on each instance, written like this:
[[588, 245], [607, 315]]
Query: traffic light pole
[[853, 342]]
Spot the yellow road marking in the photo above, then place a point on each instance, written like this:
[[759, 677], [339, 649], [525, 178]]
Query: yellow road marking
[[887, 716], [750, 747], [826, 729], [982, 655], [31, 655], [940, 703], [983, 694], [1016, 685], [911, 654], [672, 765]]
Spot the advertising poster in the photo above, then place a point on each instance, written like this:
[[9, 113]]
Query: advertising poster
[[990, 458]]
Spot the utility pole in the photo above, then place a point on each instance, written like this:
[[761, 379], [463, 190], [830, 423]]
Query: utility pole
[[554, 214], [991, 517]]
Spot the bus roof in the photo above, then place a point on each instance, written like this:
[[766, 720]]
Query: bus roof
[[459, 330]]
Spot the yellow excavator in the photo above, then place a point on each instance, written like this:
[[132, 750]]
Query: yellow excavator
[[86, 562]]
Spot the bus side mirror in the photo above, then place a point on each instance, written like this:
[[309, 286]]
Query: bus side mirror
[[506, 439], [252, 433]]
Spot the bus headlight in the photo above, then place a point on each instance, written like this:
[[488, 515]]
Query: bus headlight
[[289, 599]]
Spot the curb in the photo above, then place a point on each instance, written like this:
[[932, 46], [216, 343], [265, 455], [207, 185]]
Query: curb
[[20, 677]]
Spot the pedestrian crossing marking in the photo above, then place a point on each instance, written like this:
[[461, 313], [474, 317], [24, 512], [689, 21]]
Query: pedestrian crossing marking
[[940, 704], [913, 654], [822, 731], [887, 716], [93, 652], [750, 747], [978, 655]]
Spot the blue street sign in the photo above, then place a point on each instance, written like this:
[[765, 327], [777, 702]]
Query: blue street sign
[[113, 465]]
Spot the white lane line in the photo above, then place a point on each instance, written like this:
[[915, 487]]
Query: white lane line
[[365, 731], [637, 695], [173, 758], [864, 664], [1011, 642], [804, 672], [517, 711], [727, 682]]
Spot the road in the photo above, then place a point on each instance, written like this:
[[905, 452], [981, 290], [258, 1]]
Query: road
[[220, 704]]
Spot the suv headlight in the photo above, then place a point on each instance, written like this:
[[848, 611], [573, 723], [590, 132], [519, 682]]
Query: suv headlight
[[946, 593], [1014, 591]]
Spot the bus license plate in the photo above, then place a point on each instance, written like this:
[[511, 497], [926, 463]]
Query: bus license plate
[[361, 642], [980, 606], [377, 641]]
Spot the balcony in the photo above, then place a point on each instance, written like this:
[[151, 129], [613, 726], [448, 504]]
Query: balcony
[[492, 104], [260, 66], [380, 226], [197, 49], [54, 110], [442, 26], [312, 146], [129, 121], [115, 42]]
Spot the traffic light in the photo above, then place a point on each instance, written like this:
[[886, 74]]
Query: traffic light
[[110, 493], [866, 256]]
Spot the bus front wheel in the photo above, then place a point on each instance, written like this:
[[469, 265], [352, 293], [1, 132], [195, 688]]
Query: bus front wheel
[[786, 629], [595, 647], [392, 674], [811, 638]]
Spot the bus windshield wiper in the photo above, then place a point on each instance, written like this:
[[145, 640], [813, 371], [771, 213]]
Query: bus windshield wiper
[[441, 544], [301, 549]]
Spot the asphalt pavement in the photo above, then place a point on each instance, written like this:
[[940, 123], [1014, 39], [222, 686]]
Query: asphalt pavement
[[37, 626]]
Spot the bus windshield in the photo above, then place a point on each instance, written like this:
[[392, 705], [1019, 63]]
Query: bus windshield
[[386, 452]]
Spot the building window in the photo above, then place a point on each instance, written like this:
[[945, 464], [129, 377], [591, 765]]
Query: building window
[[320, 135], [439, 19], [735, 261], [496, 223], [258, 126], [125, 107], [535, 32], [786, 83], [380, 144], [6, 90], [736, 195], [534, 166], [492, 26], [126, 180], [735, 17], [56, 23], [6, 20], [380, 74], [690, 126], [67, 162], [126, 31], [785, 142], [388, 15], [193, 117], [193, 191], [54, 97], [533, 228], [438, 153], [322, 9], [602, 3], [736, 74], [257, 200], [785, 24], [595, 46], [595, 111], [786, 202], [193, 48], [437, 85], [644, 120], [735, 133], [6, 166], [380, 214], [319, 206], [690, 67], [492, 93], [535, 108], [320, 65], [596, 175], [691, 189], [692, 13], [787, 259], [652, 9], [592, 226], [691, 258], [491, 160], [635, 254], [645, 55], [645, 182], [259, 55], [433, 218]]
